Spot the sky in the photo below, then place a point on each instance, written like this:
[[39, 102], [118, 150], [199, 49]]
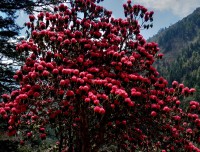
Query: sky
[[166, 12]]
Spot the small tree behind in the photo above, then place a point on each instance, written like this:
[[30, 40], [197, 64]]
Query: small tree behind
[[89, 77]]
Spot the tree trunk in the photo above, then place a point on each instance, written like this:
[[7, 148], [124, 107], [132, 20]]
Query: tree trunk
[[61, 143], [85, 138], [60, 134]]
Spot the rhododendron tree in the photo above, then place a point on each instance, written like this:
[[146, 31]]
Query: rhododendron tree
[[89, 77]]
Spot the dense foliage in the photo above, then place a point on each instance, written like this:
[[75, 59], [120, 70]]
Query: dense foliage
[[89, 78]]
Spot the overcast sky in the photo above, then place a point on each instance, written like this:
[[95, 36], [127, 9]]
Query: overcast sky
[[167, 12]]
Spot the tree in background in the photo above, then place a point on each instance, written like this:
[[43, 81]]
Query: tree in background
[[8, 29], [89, 78], [9, 59]]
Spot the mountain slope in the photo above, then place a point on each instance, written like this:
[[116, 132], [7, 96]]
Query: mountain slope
[[171, 39], [180, 44]]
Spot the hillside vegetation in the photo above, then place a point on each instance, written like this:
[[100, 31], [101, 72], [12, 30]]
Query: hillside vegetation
[[180, 44]]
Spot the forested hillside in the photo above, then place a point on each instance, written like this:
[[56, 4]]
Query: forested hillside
[[180, 44]]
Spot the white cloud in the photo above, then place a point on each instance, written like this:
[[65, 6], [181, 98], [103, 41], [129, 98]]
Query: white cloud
[[180, 8]]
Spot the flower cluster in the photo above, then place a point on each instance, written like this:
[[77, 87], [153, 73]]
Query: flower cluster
[[92, 81]]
